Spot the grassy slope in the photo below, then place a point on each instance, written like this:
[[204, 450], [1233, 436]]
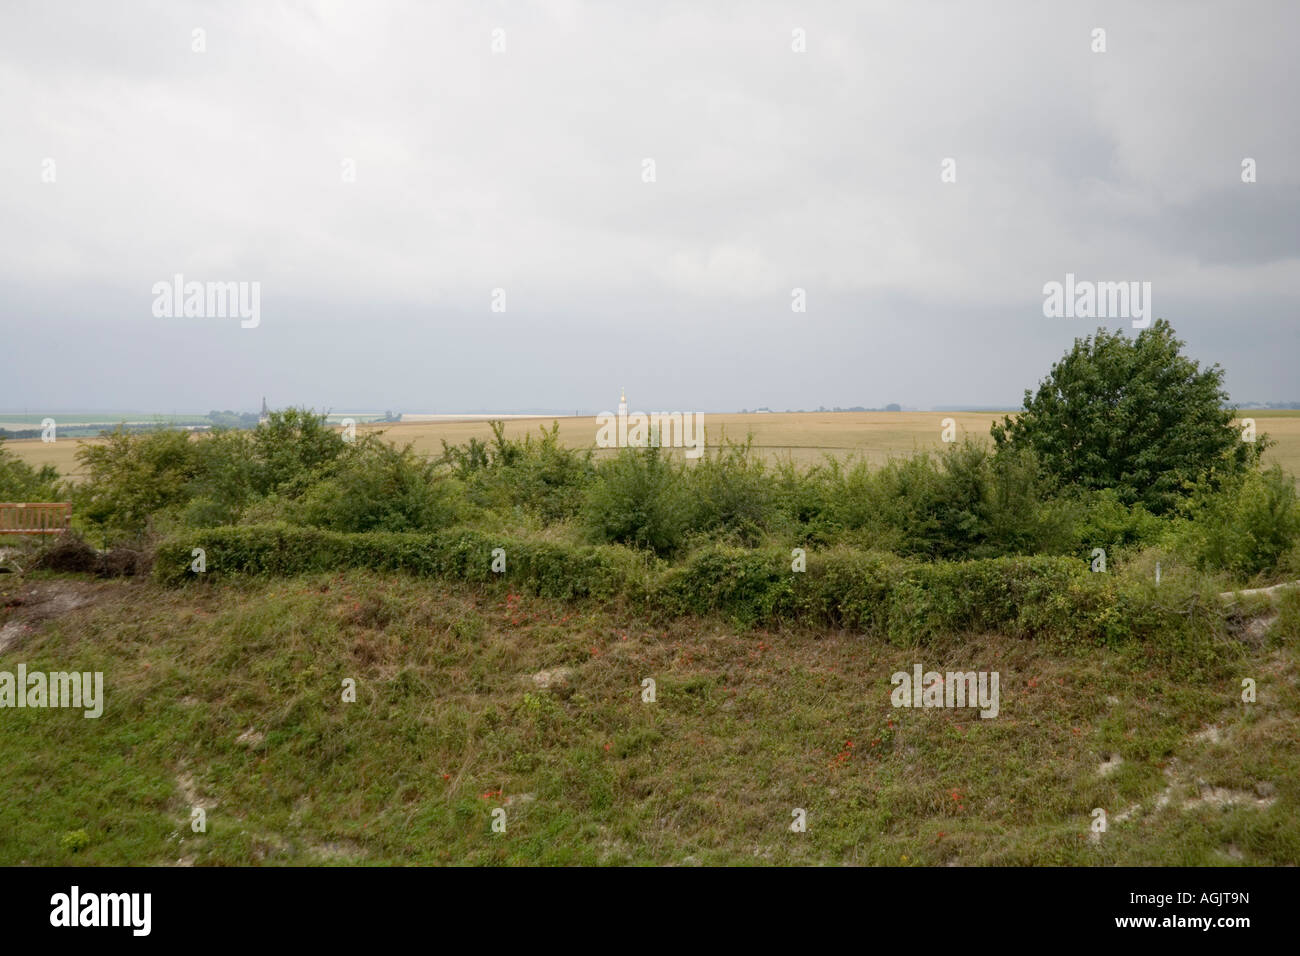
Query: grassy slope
[[748, 725]]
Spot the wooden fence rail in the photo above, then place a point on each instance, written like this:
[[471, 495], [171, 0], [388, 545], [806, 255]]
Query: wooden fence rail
[[35, 517]]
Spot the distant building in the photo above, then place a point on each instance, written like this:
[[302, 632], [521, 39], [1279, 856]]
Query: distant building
[[266, 414]]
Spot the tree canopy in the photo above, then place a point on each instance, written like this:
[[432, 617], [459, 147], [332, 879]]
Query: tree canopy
[[1132, 414]]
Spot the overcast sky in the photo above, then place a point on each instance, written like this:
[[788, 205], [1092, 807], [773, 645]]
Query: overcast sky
[[523, 170]]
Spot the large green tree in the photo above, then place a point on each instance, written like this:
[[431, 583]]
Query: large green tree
[[1133, 414]]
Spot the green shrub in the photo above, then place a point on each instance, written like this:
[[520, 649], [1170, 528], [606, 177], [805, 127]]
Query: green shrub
[[844, 587], [639, 498], [19, 481], [134, 480], [803, 499], [732, 494], [747, 585], [137, 482], [1246, 528], [292, 446], [225, 478], [540, 476], [964, 503], [373, 486], [1099, 519], [536, 475], [1021, 512]]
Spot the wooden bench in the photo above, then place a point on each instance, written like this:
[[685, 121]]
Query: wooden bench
[[35, 517]]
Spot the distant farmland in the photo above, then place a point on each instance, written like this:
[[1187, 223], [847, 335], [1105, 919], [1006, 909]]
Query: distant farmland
[[803, 436]]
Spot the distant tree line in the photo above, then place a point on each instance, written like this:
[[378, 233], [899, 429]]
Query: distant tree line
[[229, 419]]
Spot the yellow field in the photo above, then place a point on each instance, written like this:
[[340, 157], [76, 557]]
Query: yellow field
[[803, 436]]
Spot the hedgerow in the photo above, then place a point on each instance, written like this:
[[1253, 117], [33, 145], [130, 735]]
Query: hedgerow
[[545, 568], [901, 600]]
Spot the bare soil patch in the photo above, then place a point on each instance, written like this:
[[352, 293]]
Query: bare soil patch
[[26, 604]]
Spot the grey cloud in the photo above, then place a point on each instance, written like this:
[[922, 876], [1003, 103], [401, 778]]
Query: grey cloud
[[775, 170]]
